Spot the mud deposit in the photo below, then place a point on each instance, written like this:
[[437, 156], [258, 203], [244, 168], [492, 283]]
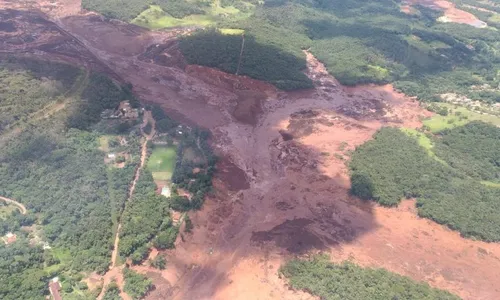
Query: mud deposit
[[282, 188]]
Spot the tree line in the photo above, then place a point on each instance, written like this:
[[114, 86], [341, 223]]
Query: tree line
[[394, 166]]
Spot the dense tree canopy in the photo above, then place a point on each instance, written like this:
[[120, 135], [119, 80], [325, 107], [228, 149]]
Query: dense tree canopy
[[347, 281], [59, 173], [394, 166], [136, 285]]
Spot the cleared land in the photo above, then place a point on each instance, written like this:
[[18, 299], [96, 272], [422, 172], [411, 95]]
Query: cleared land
[[457, 116]]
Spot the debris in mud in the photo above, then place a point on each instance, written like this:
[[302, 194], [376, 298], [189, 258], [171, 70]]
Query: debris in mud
[[167, 54], [292, 235], [233, 177], [363, 109], [305, 114], [285, 135], [282, 205]]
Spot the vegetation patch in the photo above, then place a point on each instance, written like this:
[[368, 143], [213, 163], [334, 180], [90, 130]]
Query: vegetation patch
[[256, 60], [358, 43], [456, 116], [146, 222], [136, 285], [347, 281], [231, 31], [424, 141], [7, 210], [162, 162], [394, 166], [156, 18], [52, 163]]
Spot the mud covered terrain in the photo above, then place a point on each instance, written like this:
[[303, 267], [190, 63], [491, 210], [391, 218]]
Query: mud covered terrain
[[282, 183]]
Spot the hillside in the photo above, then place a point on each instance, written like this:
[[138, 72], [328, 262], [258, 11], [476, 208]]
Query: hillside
[[382, 42]]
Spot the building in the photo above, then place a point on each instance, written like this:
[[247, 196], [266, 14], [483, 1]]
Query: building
[[55, 288], [111, 156], [126, 111], [165, 191], [123, 111], [9, 238]]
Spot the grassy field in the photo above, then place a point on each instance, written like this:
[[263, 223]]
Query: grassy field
[[424, 141], [231, 31], [162, 162], [458, 116], [104, 143], [156, 18]]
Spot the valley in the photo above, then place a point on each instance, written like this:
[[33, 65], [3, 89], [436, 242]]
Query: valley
[[282, 185]]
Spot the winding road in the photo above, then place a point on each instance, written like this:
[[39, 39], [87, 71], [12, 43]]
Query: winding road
[[20, 206]]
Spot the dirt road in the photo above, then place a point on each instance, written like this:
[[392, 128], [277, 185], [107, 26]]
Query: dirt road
[[115, 273], [20, 206], [282, 184]]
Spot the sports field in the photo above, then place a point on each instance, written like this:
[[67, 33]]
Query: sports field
[[162, 162]]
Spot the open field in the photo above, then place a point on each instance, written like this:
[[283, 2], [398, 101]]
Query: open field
[[155, 18], [457, 116], [424, 141], [162, 162]]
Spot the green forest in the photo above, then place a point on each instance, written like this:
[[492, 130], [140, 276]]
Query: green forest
[[449, 190], [259, 61], [56, 169], [146, 219], [136, 285], [347, 281]]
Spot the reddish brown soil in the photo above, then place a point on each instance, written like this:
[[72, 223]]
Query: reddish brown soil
[[449, 9], [283, 185]]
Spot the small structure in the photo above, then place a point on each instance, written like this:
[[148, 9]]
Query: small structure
[[126, 111], [123, 141], [54, 288], [123, 111], [111, 155], [9, 238], [165, 191]]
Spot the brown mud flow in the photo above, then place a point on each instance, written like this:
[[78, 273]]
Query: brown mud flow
[[283, 185]]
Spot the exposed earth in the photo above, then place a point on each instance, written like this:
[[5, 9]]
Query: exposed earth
[[282, 185], [450, 11]]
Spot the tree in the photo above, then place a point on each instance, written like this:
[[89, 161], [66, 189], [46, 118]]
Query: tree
[[159, 262], [166, 239]]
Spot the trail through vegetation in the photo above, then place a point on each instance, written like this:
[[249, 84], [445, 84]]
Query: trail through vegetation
[[20, 206], [148, 119]]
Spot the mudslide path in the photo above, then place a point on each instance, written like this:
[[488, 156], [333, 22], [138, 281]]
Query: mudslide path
[[115, 273], [295, 198], [20, 206]]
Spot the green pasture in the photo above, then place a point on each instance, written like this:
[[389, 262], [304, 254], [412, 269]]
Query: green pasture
[[162, 162]]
